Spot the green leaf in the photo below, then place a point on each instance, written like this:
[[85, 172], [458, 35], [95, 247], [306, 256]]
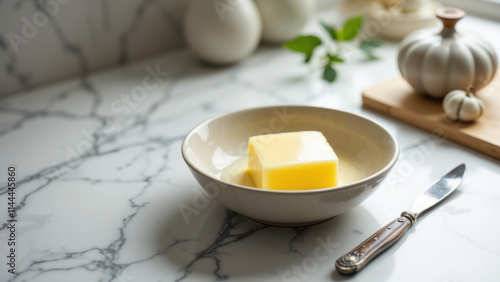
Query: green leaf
[[308, 58], [330, 29], [367, 47], [369, 55], [351, 28], [334, 59], [303, 44], [329, 73], [370, 43]]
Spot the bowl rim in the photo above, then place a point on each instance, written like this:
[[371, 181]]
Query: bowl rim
[[402, 18], [365, 180]]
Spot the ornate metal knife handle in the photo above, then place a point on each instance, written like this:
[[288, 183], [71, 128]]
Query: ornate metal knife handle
[[360, 256]]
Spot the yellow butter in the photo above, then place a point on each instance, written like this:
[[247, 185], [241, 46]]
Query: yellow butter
[[292, 161]]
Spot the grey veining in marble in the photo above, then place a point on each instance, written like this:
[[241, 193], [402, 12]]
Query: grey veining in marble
[[48, 40]]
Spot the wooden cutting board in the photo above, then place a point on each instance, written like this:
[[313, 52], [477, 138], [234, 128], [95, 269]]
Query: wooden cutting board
[[397, 98]]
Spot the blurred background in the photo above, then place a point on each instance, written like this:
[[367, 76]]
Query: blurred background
[[43, 41]]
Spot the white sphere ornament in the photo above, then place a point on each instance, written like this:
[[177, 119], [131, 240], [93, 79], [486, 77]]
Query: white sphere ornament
[[282, 20], [435, 63], [459, 105], [222, 31]]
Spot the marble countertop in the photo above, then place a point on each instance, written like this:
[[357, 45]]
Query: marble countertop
[[100, 181]]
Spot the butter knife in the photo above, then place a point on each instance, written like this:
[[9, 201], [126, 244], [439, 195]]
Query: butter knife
[[361, 255]]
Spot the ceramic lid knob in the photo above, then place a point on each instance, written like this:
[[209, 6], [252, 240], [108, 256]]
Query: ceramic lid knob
[[450, 16]]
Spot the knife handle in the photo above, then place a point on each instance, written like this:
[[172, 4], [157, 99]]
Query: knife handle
[[360, 256]]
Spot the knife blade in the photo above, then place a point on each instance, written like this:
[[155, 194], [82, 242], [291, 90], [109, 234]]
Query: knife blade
[[361, 255]]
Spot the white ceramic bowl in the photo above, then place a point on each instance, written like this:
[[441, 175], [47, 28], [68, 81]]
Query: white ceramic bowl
[[212, 147], [396, 25]]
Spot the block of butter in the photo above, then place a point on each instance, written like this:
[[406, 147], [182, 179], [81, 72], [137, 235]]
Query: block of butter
[[292, 161]]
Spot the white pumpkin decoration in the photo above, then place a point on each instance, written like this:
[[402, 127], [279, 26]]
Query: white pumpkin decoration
[[436, 63], [282, 20], [222, 31], [462, 106]]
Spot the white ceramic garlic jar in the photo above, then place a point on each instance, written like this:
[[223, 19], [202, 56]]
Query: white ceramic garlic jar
[[282, 20], [436, 63], [222, 31]]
